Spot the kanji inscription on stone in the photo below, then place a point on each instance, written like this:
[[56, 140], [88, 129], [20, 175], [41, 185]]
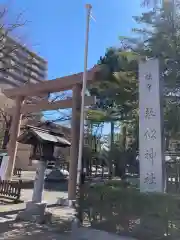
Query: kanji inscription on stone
[[149, 86], [149, 113], [150, 155], [150, 178], [150, 134], [148, 79]]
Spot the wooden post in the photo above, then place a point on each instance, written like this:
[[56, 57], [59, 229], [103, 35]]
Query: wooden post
[[75, 128], [14, 132]]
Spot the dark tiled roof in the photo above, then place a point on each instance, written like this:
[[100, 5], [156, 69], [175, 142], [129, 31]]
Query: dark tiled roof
[[44, 135]]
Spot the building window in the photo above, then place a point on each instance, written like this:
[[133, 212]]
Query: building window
[[13, 54], [11, 70], [34, 75], [35, 67], [13, 63], [36, 61], [33, 81]]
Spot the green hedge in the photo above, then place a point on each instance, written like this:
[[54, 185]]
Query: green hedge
[[117, 207]]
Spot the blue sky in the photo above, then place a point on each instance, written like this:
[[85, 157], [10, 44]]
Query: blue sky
[[56, 29]]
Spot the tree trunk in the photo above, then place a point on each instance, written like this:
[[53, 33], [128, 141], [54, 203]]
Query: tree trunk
[[111, 149], [124, 138], [6, 133], [120, 164], [5, 139], [167, 142]]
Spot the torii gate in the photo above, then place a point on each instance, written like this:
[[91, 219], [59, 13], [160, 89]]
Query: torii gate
[[73, 82]]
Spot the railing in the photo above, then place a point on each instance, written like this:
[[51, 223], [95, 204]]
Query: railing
[[17, 172], [97, 171], [64, 165], [173, 177], [11, 190]]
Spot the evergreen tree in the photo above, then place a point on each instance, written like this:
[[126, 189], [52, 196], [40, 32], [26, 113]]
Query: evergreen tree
[[159, 37]]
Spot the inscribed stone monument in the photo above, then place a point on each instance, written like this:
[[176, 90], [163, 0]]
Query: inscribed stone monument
[[150, 128]]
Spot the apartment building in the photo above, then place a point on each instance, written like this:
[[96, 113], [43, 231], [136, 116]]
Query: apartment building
[[19, 66]]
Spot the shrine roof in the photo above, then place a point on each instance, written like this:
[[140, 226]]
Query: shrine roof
[[32, 134]]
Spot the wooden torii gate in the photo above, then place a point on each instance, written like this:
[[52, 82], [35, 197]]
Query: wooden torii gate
[[73, 82]]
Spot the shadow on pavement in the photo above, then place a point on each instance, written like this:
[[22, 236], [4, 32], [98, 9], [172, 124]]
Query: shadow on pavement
[[59, 229], [56, 186], [13, 212], [48, 185], [9, 201]]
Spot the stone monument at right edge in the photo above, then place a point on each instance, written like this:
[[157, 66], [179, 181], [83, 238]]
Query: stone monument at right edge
[[151, 150]]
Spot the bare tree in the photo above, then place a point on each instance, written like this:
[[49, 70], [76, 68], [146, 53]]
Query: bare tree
[[9, 48], [59, 115], [5, 120]]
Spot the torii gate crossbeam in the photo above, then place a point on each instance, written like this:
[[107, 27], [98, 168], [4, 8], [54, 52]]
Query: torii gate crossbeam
[[56, 85]]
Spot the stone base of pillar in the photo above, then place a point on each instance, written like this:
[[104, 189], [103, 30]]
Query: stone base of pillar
[[65, 202], [35, 212]]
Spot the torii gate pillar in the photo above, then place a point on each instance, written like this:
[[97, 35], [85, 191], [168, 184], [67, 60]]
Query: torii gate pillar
[[75, 129], [14, 132]]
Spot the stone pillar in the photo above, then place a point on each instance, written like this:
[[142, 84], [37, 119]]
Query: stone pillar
[[151, 137], [36, 209], [39, 182], [14, 132], [75, 128]]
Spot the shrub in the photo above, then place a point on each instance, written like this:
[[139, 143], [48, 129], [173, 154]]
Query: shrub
[[120, 208]]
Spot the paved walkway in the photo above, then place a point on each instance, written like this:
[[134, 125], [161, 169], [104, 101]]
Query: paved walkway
[[60, 228], [48, 196], [10, 229]]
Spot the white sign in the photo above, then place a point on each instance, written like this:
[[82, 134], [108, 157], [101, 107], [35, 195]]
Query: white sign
[[3, 166], [150, 128]]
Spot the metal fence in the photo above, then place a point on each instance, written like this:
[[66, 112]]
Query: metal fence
[[173, 177]]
